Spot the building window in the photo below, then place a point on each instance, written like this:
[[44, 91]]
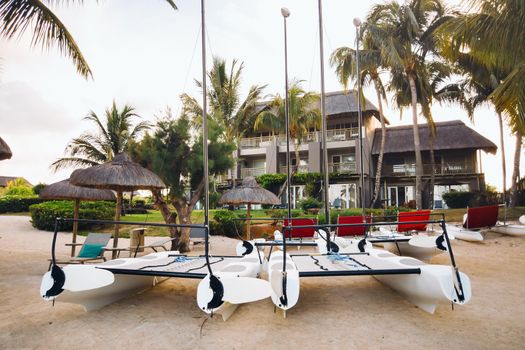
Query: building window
[[400, 196], [343, 196]]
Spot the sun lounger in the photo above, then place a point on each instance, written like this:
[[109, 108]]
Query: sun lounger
[[92, 249], [351, 230], [481, 217], [300, 232]]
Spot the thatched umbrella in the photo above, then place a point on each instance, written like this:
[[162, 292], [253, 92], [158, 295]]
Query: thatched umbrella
[[120, 175], [5, 151], [64, 190], [248, 193]]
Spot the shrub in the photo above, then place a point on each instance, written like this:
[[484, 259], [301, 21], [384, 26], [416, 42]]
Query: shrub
[[282, 213], [224, 224], [17, 204], [214, 199], [457, 199], [21, 191], [38, 188], [271, 181], [309, 203], [43, 215]]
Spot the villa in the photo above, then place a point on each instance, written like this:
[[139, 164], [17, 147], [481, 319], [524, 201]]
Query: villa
[[457, 153]]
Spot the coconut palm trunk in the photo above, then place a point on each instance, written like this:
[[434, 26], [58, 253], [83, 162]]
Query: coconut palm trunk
[[379, 169], [516, 170], [417, 143], [503, 163]]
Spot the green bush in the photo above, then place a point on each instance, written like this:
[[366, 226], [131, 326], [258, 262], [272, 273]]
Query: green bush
[[43, 215], [309, 203], [214, 199], [271, 181], [38, 188], [17, 204], [22, 191], [225, 224], [458, 199]]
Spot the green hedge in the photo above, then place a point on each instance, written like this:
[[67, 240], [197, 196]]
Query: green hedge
[[43, 215], [309, 203], [282, 213], [224, 224], [17, 204], [457, 199]]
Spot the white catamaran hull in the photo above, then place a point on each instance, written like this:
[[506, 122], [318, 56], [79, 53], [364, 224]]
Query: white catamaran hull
[[464, 234], [239, 284], [510, 229], [93, 287], [281, 282], [435, 284]]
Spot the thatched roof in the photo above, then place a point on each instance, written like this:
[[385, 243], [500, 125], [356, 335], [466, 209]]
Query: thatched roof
[[120, 174], [340, 103], [249, 192], [5, 179], [64, 190], [5, 151], [453, 135]]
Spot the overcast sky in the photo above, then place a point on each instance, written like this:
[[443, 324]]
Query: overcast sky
[[145, 54]]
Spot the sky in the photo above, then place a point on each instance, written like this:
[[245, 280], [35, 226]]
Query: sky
[[145, 54]]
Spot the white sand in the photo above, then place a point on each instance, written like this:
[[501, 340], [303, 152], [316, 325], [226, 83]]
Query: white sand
[[332, 313]]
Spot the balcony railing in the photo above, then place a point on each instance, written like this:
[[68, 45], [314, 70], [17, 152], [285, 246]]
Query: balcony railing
[[252, 171], [301, 169], [439, 169], [254, 142], [347, 167], [332, 135]]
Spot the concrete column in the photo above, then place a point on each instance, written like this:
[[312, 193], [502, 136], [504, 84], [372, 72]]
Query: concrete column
[[314, 157]]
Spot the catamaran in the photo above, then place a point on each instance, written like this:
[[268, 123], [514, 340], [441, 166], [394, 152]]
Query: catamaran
[[227, 281]]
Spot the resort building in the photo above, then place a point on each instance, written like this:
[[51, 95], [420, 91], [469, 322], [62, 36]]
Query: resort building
[[456, 151]]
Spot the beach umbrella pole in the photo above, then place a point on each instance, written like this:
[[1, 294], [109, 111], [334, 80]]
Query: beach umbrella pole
[[75, 225], [117, 218]]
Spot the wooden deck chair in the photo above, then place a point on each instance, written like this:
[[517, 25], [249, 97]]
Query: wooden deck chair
[[300, 232], [480, 217], [92, 249], [411, 216], [351, 230]]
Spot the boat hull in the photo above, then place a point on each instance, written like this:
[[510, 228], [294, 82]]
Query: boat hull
[[511, 229], [464, 234]]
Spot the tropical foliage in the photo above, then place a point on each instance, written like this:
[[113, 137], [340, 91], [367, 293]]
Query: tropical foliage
[[304, 116], [113, 136], [173, 154], [226, 107]]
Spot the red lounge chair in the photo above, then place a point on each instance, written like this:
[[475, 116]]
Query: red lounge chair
[[300, 232], [480, 217], [421, 215], [351, 230]]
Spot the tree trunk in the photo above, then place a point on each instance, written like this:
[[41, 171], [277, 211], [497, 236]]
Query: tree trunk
[[503, 163], [297, 157], [182, 242], [516, 170], [167, 215], [417, 143], [379, 169], [432, 170]]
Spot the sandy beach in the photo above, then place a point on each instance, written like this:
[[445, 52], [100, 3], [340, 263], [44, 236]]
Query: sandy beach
[[334, 313]]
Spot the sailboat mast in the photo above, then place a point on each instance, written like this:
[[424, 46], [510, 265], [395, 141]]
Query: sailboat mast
[[204, 115], [324, 163], [357, 24], [205, 136]]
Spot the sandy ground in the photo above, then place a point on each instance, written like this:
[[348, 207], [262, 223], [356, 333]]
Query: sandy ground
[[334, 313]]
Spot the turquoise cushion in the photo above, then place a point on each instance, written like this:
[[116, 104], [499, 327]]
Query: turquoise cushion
[[90, 250]]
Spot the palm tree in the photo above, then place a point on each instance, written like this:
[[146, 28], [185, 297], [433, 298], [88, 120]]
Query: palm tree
[[304, 115], [343, 60], [403, 34], [225, 104], [113, 137], [17, 15], [475, 89]]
